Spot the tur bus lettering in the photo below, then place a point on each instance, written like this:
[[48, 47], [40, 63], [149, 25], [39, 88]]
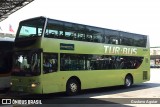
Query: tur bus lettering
[[119, 50]]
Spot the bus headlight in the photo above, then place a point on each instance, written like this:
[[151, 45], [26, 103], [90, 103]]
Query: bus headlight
[[11, 83], [33, 85]]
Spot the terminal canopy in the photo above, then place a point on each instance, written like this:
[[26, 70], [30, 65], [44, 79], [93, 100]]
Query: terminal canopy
[[8, 7]]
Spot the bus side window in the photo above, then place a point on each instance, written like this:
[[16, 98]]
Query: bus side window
[[50, 63], [106, 39], [61, 35], [113, 40]]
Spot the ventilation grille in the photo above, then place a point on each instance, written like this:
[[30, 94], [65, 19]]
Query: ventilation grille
[[145, 75]]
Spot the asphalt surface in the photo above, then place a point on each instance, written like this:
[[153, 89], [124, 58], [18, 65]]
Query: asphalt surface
[[136, 96]]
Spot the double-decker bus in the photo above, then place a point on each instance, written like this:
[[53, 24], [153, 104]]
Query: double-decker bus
[[57, 56], [6, 46]]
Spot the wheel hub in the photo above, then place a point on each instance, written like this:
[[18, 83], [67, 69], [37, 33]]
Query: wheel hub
[[73, 87], [128, 82]]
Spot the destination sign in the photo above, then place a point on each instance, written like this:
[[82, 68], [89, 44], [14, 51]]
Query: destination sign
[[64, 46]]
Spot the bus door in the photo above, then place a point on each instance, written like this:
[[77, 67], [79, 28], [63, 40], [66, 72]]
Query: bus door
[[49, 69]]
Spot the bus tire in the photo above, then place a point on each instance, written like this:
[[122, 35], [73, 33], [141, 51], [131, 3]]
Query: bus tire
[[72, 87], [128, 81]]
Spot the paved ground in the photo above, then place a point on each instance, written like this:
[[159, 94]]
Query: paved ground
[[106, 96]]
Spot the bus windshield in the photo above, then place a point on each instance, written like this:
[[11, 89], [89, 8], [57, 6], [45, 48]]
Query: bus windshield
[[30, 28], [26, 63]]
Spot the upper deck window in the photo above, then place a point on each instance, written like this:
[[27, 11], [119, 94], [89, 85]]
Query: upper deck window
[[54, 29], [140, 40], [30, 28], [112, 37], [79, 32], [130, 39], [94, 34], [127, 39]]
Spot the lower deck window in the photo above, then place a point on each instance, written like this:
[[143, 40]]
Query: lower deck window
[[50, 62], [70, 62]]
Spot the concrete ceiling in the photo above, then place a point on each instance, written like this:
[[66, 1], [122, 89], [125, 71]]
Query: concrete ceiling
[[7, 7]]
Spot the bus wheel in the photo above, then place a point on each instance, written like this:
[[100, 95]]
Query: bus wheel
[[72, 87], [128, 81]]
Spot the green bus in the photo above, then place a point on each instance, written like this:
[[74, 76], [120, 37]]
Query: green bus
[[56, 56]]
